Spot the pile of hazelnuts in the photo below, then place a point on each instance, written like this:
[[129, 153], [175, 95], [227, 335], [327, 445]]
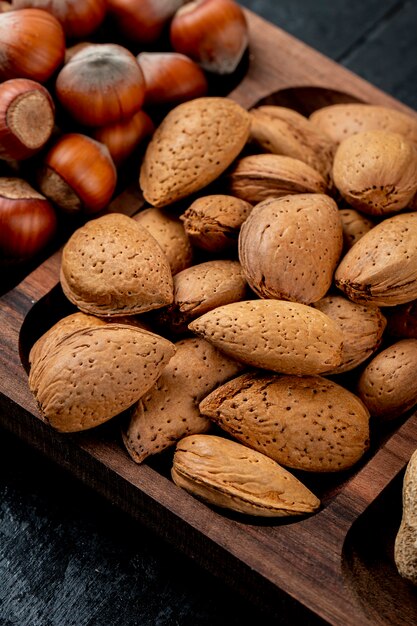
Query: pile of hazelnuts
[[73, 110]]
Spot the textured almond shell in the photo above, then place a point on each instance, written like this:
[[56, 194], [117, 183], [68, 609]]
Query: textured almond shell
[[202, 288], [273, 334], [213, 222], [362, 327], [96, 373], [307, 423], [388, 384], [289, 247], [283, 131], [376, 171], [340, 121], [405, 546], [46, 344], [169, 232], [257, 177], [355, 226], [381, 268], [112, 266], [194, 144], [169, 410], [232, 476]]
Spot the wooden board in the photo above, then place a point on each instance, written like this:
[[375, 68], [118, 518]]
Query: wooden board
[[330, 564]]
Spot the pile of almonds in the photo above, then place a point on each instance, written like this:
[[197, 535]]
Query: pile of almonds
[[82, 86], [278, 254]]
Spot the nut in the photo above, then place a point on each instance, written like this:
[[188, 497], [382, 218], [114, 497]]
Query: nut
[[376, 171], [405, 547], [381, 268], [388, 384], [307, 423], [289, 247], [169, 410], [261, 176], [226, 474], [194, 144], [273, 334]]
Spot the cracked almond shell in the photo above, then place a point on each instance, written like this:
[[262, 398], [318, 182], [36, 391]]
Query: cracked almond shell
[[274, 334], [381, 268], [169, 410], [112, 266], [376, 172], [194, 144], [302, 422], [289, 247], [96, 373], [226, 474]]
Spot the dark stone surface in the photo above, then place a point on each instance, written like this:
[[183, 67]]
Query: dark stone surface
[[67, 558]]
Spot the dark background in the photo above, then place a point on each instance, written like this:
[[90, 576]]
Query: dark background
[[67, 557]]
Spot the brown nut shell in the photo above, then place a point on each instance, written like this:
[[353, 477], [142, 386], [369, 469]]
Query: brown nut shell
[[96, 373], [381, 268], [284, 131], [362, 326], [213, 222], [355, 226], [226, 474], [388, 384], [306, 423], [405, 547], [340, 121], [258, 177], [170, 234], [195, 143], [202, 288], [273, 334], [289, 247], [112, 266], [169, 410], [376, 171]]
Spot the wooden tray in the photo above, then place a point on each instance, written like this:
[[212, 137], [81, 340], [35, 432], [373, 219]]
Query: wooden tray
[[335, 566]]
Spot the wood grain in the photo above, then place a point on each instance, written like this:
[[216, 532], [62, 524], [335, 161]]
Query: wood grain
[[314, 560]]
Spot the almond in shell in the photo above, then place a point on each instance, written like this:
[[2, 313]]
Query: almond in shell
[[284, 131], [273, 334], [112, 266], [306, 423], [340, 121], [169, 409], [388, 384], [257, 177], [381, 268], [213, 222], [202, 288], [96, 373], [289, 247], [376, 171], [169, 232], [228, 475], [355, 225], [194, 144], [362, 326]]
